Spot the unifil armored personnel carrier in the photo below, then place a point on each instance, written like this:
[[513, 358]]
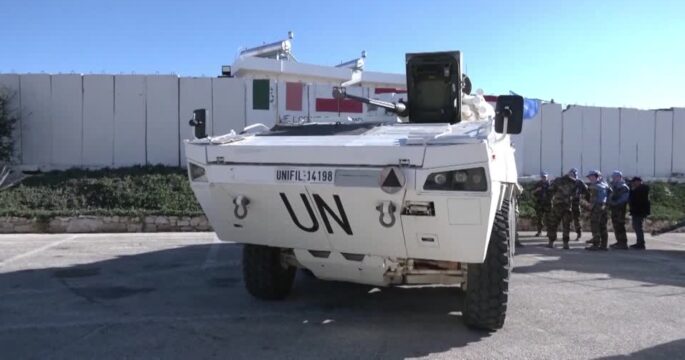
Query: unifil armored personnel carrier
[[427, 197]]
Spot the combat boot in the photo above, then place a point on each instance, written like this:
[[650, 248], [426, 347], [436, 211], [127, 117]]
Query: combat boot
[[538, 234], [578, 235], [637, 246], [550, 244], [618, 246], [596, 247], [566, 247]]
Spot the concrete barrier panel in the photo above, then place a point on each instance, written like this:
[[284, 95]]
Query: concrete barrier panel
[[195, 93], [228, 105], [129, 120], [572, 142], [678, 141], [532, 130], [66, 108], [162, 120], [9, 87], [644, 133], [519, 145], [628, 145], [592, 127], [610, 140], [98, 120], [663, 147], [36, 124], [551, 139]]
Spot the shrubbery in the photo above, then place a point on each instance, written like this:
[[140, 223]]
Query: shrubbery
[[8, 120], [132, 191], [159, 190]]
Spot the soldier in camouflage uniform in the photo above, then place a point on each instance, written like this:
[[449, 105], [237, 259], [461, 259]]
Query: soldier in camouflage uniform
[[599, 192], [561, 193], [542, 201], [581, 191], [618, 202]]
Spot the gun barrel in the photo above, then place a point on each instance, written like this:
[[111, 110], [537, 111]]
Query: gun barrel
[[397, 108]]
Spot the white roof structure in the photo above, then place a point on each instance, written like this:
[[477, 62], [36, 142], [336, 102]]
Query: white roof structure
[[251, 66]]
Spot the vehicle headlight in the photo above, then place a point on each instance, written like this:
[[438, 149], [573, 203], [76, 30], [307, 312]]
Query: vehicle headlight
[[440, 178], [457, 180], [460, 176], [197, 173]]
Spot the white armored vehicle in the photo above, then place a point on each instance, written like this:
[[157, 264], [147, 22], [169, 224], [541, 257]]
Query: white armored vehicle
[[428, 198]]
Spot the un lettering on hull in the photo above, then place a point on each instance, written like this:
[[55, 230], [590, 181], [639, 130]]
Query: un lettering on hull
[[316, 217], [369, 236], [267, 221], [326, 212]]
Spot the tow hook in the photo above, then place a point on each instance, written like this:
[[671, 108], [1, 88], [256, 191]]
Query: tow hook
[[387, 213], [240, 210]]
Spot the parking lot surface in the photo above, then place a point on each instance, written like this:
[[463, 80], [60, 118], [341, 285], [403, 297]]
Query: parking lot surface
[[180, 295]]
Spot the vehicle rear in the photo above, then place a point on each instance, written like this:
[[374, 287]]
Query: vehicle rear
[[384, 196]]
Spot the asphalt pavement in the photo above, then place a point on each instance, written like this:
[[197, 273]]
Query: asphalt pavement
[[180, 295]]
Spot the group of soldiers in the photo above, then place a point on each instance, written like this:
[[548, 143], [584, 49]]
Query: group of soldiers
[[560, 201]]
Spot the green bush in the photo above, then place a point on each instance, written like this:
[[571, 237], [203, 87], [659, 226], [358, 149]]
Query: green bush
[[159, 190], [136, 191], [8, 120]]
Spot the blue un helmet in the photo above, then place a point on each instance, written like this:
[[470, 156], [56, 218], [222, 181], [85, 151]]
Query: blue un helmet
[[596, 173], [617, 175]]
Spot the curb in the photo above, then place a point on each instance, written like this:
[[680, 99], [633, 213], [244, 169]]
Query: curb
[[103, 224]]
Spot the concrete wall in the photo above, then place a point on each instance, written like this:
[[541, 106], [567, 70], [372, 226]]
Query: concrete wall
[[72, 120]]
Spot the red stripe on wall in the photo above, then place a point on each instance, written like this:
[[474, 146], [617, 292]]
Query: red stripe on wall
[[490, 98], [389, 90], [334, 105]]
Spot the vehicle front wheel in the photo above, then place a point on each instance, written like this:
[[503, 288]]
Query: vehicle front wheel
[[487, 284], [265, 273]]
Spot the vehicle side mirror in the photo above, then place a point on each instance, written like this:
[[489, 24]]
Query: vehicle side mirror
[[199, 122], [509, 107]]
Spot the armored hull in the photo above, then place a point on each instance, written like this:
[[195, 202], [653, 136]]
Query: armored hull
[[358, 202]]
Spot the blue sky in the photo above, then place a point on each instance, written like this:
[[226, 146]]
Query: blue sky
[[608, 53]]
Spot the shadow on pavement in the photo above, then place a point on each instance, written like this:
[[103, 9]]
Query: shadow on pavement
[[671, 350], [658, 267], [169, 303]]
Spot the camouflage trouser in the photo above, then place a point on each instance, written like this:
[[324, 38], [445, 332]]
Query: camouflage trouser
[[575, 211], [560, 214], [541, 214], [598, 223], [618, 220]]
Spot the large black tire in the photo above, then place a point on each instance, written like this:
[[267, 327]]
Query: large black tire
[[487, 284], [266, 276]]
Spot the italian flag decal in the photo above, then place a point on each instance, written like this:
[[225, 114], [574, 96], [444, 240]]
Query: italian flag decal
[[293, 96], [261, 93]]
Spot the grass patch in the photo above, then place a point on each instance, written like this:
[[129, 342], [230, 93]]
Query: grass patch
[[135, 191]]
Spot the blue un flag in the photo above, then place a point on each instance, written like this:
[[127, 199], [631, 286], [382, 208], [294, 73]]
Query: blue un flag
[[531, 107]]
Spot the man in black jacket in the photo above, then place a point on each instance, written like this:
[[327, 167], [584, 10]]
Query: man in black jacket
[[640, 208]]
